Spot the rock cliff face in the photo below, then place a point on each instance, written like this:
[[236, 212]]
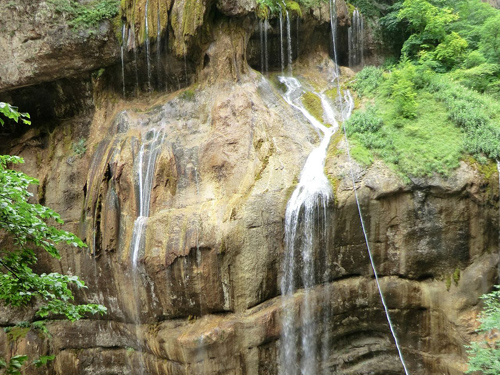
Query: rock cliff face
[[203, 295]]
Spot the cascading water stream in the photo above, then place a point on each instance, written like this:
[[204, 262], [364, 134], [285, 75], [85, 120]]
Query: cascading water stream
[[306, 207], [144, 169]]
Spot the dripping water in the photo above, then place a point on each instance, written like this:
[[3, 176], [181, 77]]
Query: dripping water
[[282, 49], [122, 55], [289, 41], [266, 52], [261, 33], [297, 38], [333, 25], [158, 47], [148, 56], [134, 47], [356, 40]]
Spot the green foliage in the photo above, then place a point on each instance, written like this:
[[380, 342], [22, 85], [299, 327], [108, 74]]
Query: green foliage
[[86, 15], [483, 355], [427, 23], [312, 103], [475, 58], [400, 87], [420, 145], [481, 78], [367, 80], [293, 7], [476, 114], [489, 43], [451, 51], [43, 360], [13, 367], [15, 333], [439, 93], [12, 113], [80, 147], [28, 226], [268, 8], [366, 7], [363, 122]]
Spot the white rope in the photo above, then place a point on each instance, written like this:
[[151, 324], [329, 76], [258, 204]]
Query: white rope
[[370, 253]]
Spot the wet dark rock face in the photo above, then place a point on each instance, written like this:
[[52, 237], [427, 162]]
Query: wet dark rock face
[[204, 297]]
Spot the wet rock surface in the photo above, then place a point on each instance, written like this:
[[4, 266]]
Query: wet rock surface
[[204, 296]]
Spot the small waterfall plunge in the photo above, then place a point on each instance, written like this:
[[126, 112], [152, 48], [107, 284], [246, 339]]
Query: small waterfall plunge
[[305, 228], [144, 170], [355, 35], [144, 167]]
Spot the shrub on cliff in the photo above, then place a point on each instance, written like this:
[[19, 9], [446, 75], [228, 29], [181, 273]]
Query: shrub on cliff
[[484, 355], [26, 228]]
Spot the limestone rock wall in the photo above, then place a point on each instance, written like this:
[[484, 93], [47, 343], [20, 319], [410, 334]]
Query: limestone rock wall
[[205, 296]]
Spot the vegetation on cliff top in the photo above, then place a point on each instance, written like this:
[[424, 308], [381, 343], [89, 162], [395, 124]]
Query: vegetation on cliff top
[[88, 15], [438, 103], [26, 228]]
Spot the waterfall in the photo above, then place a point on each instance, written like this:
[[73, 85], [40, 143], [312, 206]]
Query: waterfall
[[333, 25], [356, 40], [297, 39], [144, 169], [122, 55], [266, 53], [282, 47], [148, 56], [134, 47], [158, 47], [261, 33], [306, 207], [289, 41]]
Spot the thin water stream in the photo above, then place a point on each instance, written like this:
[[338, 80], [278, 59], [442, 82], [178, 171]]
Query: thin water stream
[[355, 36], [144, 169], [147, 42], [122, 55]]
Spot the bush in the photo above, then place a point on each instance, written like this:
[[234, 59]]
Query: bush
[[88, 15], [367, 80], [364, 122], [400, 88], [483, 356], [475, 58]]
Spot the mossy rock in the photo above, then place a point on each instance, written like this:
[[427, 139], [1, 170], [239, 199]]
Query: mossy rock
[[312, 102], [134, 11]]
